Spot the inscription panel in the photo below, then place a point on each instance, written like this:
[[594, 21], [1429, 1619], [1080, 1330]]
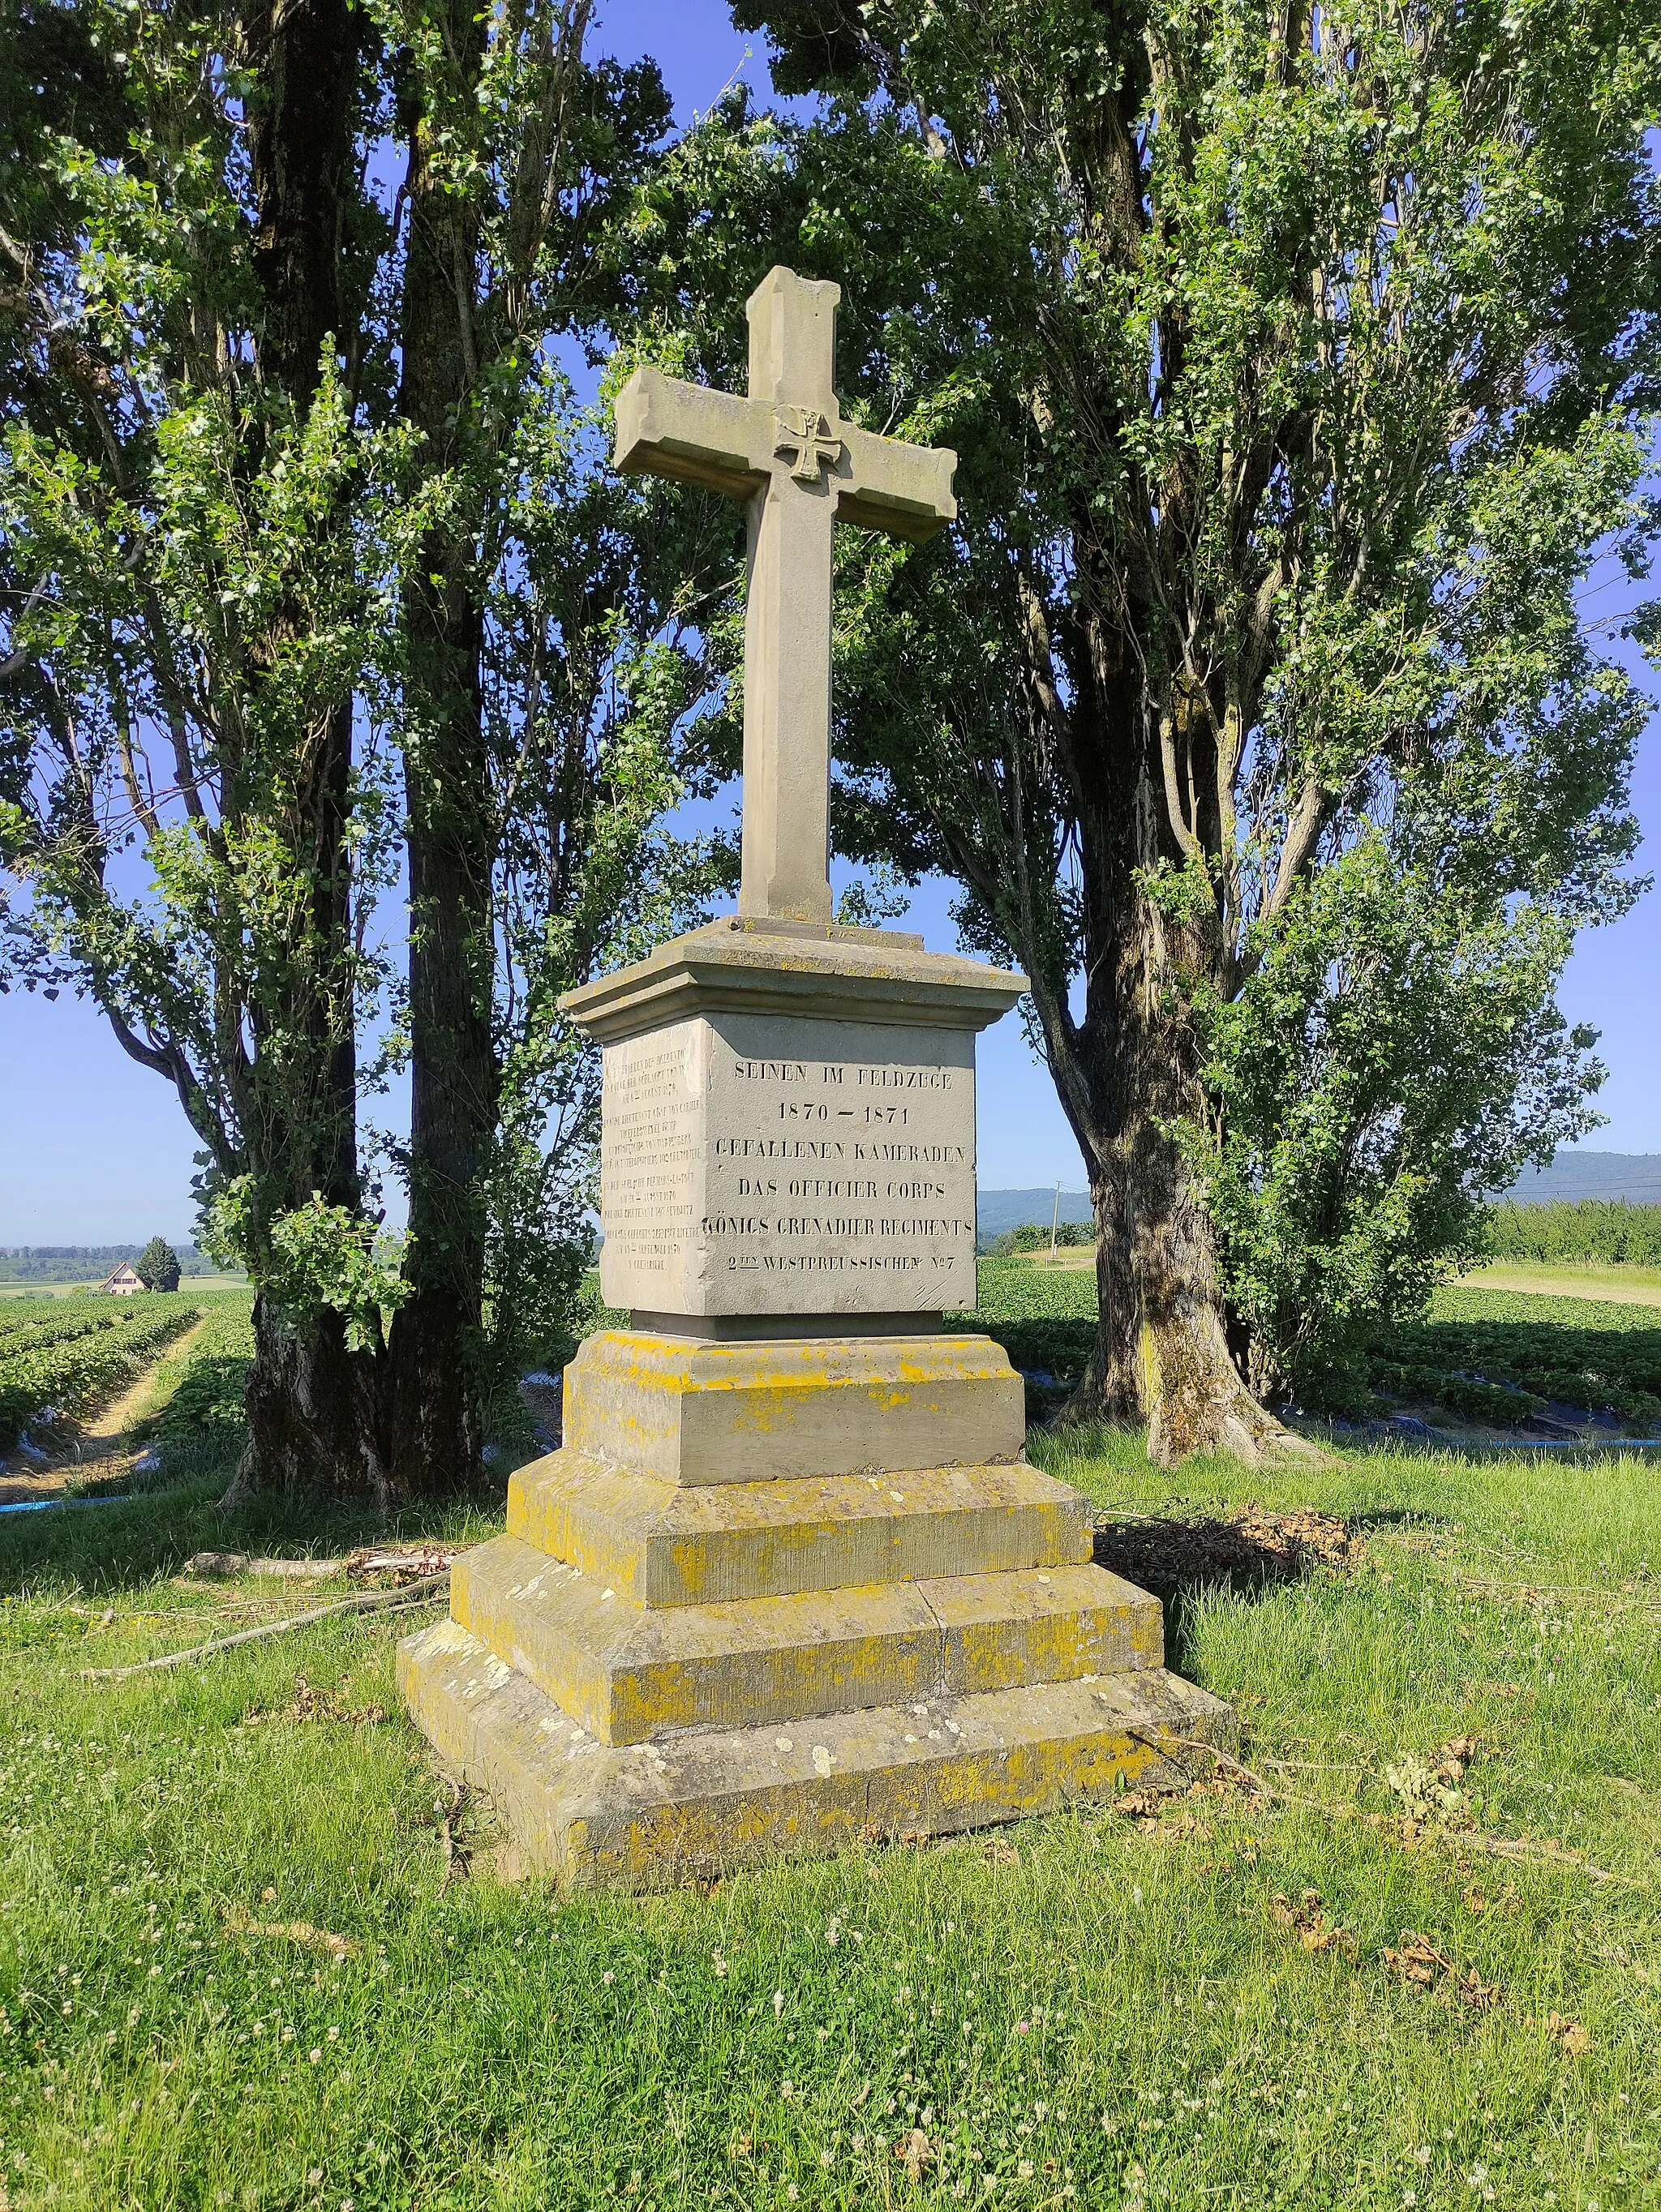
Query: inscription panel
[[753, 1165], [652, 1095]]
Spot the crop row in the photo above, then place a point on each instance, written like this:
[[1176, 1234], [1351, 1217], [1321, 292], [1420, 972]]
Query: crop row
[[71, 1377], [1520, 1352], [72, 1318], [201, 1385]]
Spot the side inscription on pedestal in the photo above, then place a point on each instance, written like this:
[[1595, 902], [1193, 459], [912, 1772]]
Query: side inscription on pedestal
[[652, 1100]]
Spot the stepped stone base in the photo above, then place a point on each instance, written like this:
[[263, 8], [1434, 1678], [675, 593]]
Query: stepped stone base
[[624, 1672], [657, 1543], [725, 1625], [649, 1815]]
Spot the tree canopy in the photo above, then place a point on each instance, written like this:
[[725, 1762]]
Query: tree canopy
[[157, 1266], [1297, 363], [317, 594]]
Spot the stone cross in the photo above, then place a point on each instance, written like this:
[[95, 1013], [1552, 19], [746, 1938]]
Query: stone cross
[[785, 451]]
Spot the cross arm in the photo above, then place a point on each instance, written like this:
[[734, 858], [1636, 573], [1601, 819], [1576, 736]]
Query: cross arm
[[904, 491], [668, 428]]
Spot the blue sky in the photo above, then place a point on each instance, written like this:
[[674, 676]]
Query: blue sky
[[94, 1148]]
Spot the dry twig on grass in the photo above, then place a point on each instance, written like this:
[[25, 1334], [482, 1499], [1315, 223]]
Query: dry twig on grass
[[292, 1931], [1500, 1847], [457, 1857], [390, 1601]]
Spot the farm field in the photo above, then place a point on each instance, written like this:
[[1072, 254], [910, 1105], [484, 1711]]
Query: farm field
[[1490, 1351], [66, 1360], [1620, 1281], [116, 1373], [13, 1287]]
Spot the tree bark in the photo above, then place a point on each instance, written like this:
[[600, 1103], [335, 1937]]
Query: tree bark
[[1128, 1074], [436, 1413], [1163, 1354], [313, 1404], [314, 1410]]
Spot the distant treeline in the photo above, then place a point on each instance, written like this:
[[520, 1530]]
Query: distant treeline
[[1584, 1229], [1034, 1237], [78, 1263]]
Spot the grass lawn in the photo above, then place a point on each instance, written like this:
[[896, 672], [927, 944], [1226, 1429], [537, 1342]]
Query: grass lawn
[[1572, 1278], [1099, 2008]]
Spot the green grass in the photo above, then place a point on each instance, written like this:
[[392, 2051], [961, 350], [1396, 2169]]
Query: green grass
[[1112, 2014], [1117, 2009]]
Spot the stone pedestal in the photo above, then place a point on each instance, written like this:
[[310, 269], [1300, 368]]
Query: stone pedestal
[[789, 1581]]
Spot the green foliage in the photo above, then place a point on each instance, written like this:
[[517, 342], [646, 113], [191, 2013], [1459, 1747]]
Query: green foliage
[[1282, 457], [1394, 1054], [1033, 1236], [317, 1254], [1579, 1230], [157, 1266], [198, 1392], [71, 1368], [220, 552], [1588, 1354]]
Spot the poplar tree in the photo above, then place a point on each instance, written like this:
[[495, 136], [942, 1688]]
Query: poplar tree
[[1297, 361], [313, 589]]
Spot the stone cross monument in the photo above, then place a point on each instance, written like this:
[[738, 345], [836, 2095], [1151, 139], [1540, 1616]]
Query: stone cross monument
[[789, 1580], [788, 453]]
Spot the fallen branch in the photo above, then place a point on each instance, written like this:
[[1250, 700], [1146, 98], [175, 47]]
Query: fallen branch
[[293, 1931], [392, 1601], [222, 1565], [1164, 1743], [1502, 1847]]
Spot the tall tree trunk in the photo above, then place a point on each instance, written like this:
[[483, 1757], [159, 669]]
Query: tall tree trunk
[[1163, 1351], [1128, 1074], [313, 1408], [313, 1404], [436, 1419]]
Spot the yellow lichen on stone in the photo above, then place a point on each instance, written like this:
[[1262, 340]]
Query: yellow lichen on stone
[[649, 1816], [660, 1543], [697, 1412]]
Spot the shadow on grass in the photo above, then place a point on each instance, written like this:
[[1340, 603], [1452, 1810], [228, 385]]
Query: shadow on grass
[[108, 1545], [1243, 1556]]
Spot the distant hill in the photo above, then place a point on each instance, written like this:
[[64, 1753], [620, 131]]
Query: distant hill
[[1635, 1176], [997, 1211]]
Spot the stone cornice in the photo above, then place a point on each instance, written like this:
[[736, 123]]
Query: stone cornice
[[827, 972]]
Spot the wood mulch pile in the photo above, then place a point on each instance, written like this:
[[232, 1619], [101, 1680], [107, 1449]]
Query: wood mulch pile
[[1252, 1545]]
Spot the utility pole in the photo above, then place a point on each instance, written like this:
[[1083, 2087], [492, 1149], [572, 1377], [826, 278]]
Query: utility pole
[[1055, 1223]]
